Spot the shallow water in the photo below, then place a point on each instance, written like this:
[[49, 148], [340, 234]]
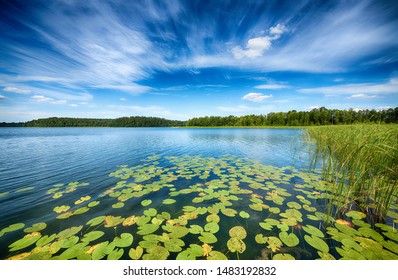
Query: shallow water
[[37, 166]]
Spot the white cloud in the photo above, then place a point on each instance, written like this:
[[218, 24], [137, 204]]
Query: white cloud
[[357, 90], [17, 90], [123, 99], [256, 97], [2, 97], [257, 46], [361, 96], [73, 105], [45, 99]]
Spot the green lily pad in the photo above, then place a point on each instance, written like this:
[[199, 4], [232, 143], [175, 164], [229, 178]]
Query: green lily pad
[[178, 232], [368, 232], [350, 254], [112, 221], [68, 243], [125, 240], [146, 202], [73, 251], [91, 236], [293, 205], [290, 240], [313, 231], [174, 245], [213, 218], [390, 245], [81, 210], [168, 201], [216, 255], [136, 253], [62, 208], [238, 232], [317, 243], [346, 229], [143, 220], [244, 215], [266, 226], [151, 212], [147, 229], [186, 255], [102, 250], [44, 240], [274, 243], [212, 227], [236, 245], [195, 229], [391, 235], [156, 253], [356, 215], [24, 242], [93, 204], [65, 234], [261, 239], [325, 256], [118, 205], [309, 208], [229, 212], [96, 221], [274, 210], [283, 257], [115, 254], [351, 244], [207, 237]]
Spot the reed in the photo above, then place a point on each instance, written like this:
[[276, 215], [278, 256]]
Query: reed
[[362, 163]]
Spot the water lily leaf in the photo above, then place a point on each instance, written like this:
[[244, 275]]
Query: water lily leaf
[[229, 212], [201, 210], [313, 231], [146, 202], [166, 215], [73, 251], [81, 210], [313, 218], [91, 236], [292, 213], [147, 229], [256, 207], [390, 245], [96, 221], [13, 227], [213, 218], [293, 205], [65, 215], [125, 240], [317, 243], [186, 255], [351, 244], [212, 227], [68, 243], [44, 240], [261, 239], [274, 243], [346, 229], [93, 204], [24, 242], [350, 254], [266, 226], [65, 234], [102, 249], [283, 257], [325, 256], [174, 245], [238, 232], [195, 229], [143, 220], [291, 222], [115, 254], [130, 221], [151, 212], [112, 221], [82, 199], [368, 232], [118, 205], [290, 240], [360, 223], [391, 235], [309, 208], [274, 210], [156, 253], [216, 255], [62, 208], [244, 214], [356, 215], [188, 208], [236, 245], [136, 253], [168, 201], [207, 237]]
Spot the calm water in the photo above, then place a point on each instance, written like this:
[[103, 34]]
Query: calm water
[[42, 157]]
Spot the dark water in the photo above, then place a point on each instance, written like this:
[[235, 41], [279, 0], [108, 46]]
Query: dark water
[[39, 158]]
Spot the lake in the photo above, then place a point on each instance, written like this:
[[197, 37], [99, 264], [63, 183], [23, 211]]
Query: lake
[[157, 193]]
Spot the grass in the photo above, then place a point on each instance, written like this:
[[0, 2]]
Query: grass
[[362, 163]]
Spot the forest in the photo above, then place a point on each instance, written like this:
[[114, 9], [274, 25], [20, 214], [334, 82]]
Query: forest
[[318, 116]]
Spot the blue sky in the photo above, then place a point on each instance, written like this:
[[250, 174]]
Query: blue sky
[[184, 59]]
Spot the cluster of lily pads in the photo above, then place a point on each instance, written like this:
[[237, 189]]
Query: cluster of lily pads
[[191, 207]]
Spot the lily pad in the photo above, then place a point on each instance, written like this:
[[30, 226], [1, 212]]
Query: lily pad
[[168, 201], [130, 221], [147, 229], [290, 240], [93, 204], [244, 214], [283, 257], [368, 232], [73, 251], [238, 232], [207, 237], [313, 231], [261, 239], [116, 254], [356, 215], [118, 205], [91, 236], [195, 229], [65, 234], [352, 244], [213, 218], [274, 243], [24, 242], [293, 205], [174, 245], [136, 253], [146, 202], [156, 253], [236, 245], [229, 212], [68, 243], [216, 255], [317, 243], [212, 227], [125, 240], [112, 221], [151, 212], [96, 221], [62, 208], [44, 240]]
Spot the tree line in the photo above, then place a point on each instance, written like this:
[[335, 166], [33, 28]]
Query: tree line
[[318, 116]]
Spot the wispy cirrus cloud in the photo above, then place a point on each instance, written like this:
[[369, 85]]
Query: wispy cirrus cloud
[[17, 90]]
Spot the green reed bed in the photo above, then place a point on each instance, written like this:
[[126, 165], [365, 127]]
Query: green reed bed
[[362, 163]]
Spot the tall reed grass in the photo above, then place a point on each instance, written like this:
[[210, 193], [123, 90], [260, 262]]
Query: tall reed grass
[[362, 163]]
